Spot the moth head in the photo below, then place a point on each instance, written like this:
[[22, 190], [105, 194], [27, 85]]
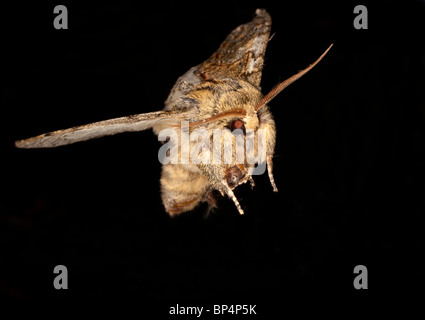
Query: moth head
[[229, 117]]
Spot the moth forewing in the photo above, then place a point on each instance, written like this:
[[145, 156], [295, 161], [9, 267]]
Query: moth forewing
[[99, 129]]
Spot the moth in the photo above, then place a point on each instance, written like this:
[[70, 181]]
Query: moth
[[223, 92]]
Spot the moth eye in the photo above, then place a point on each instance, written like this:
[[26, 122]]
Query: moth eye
[[237, 124]]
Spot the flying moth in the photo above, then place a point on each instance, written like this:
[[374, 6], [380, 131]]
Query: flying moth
[[223, 92]]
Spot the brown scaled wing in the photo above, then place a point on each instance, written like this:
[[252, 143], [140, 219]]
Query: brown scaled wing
[[241, 54]]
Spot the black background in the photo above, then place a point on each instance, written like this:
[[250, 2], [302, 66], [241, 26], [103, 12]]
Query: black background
[[349, 158]]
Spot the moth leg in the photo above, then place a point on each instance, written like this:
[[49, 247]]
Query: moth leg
[[267, 123], [232, 196], [251, 182], [211, 199], [248, 176], [270, 171]]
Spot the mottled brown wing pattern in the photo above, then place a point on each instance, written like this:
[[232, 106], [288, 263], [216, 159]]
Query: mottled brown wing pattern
[[241, 55]]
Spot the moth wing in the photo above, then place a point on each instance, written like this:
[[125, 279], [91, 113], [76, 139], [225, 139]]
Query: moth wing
[[241, 54], [99, 129], [184, 84]]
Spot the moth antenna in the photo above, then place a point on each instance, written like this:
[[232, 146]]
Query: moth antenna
[[278, 88], [238, 112]]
